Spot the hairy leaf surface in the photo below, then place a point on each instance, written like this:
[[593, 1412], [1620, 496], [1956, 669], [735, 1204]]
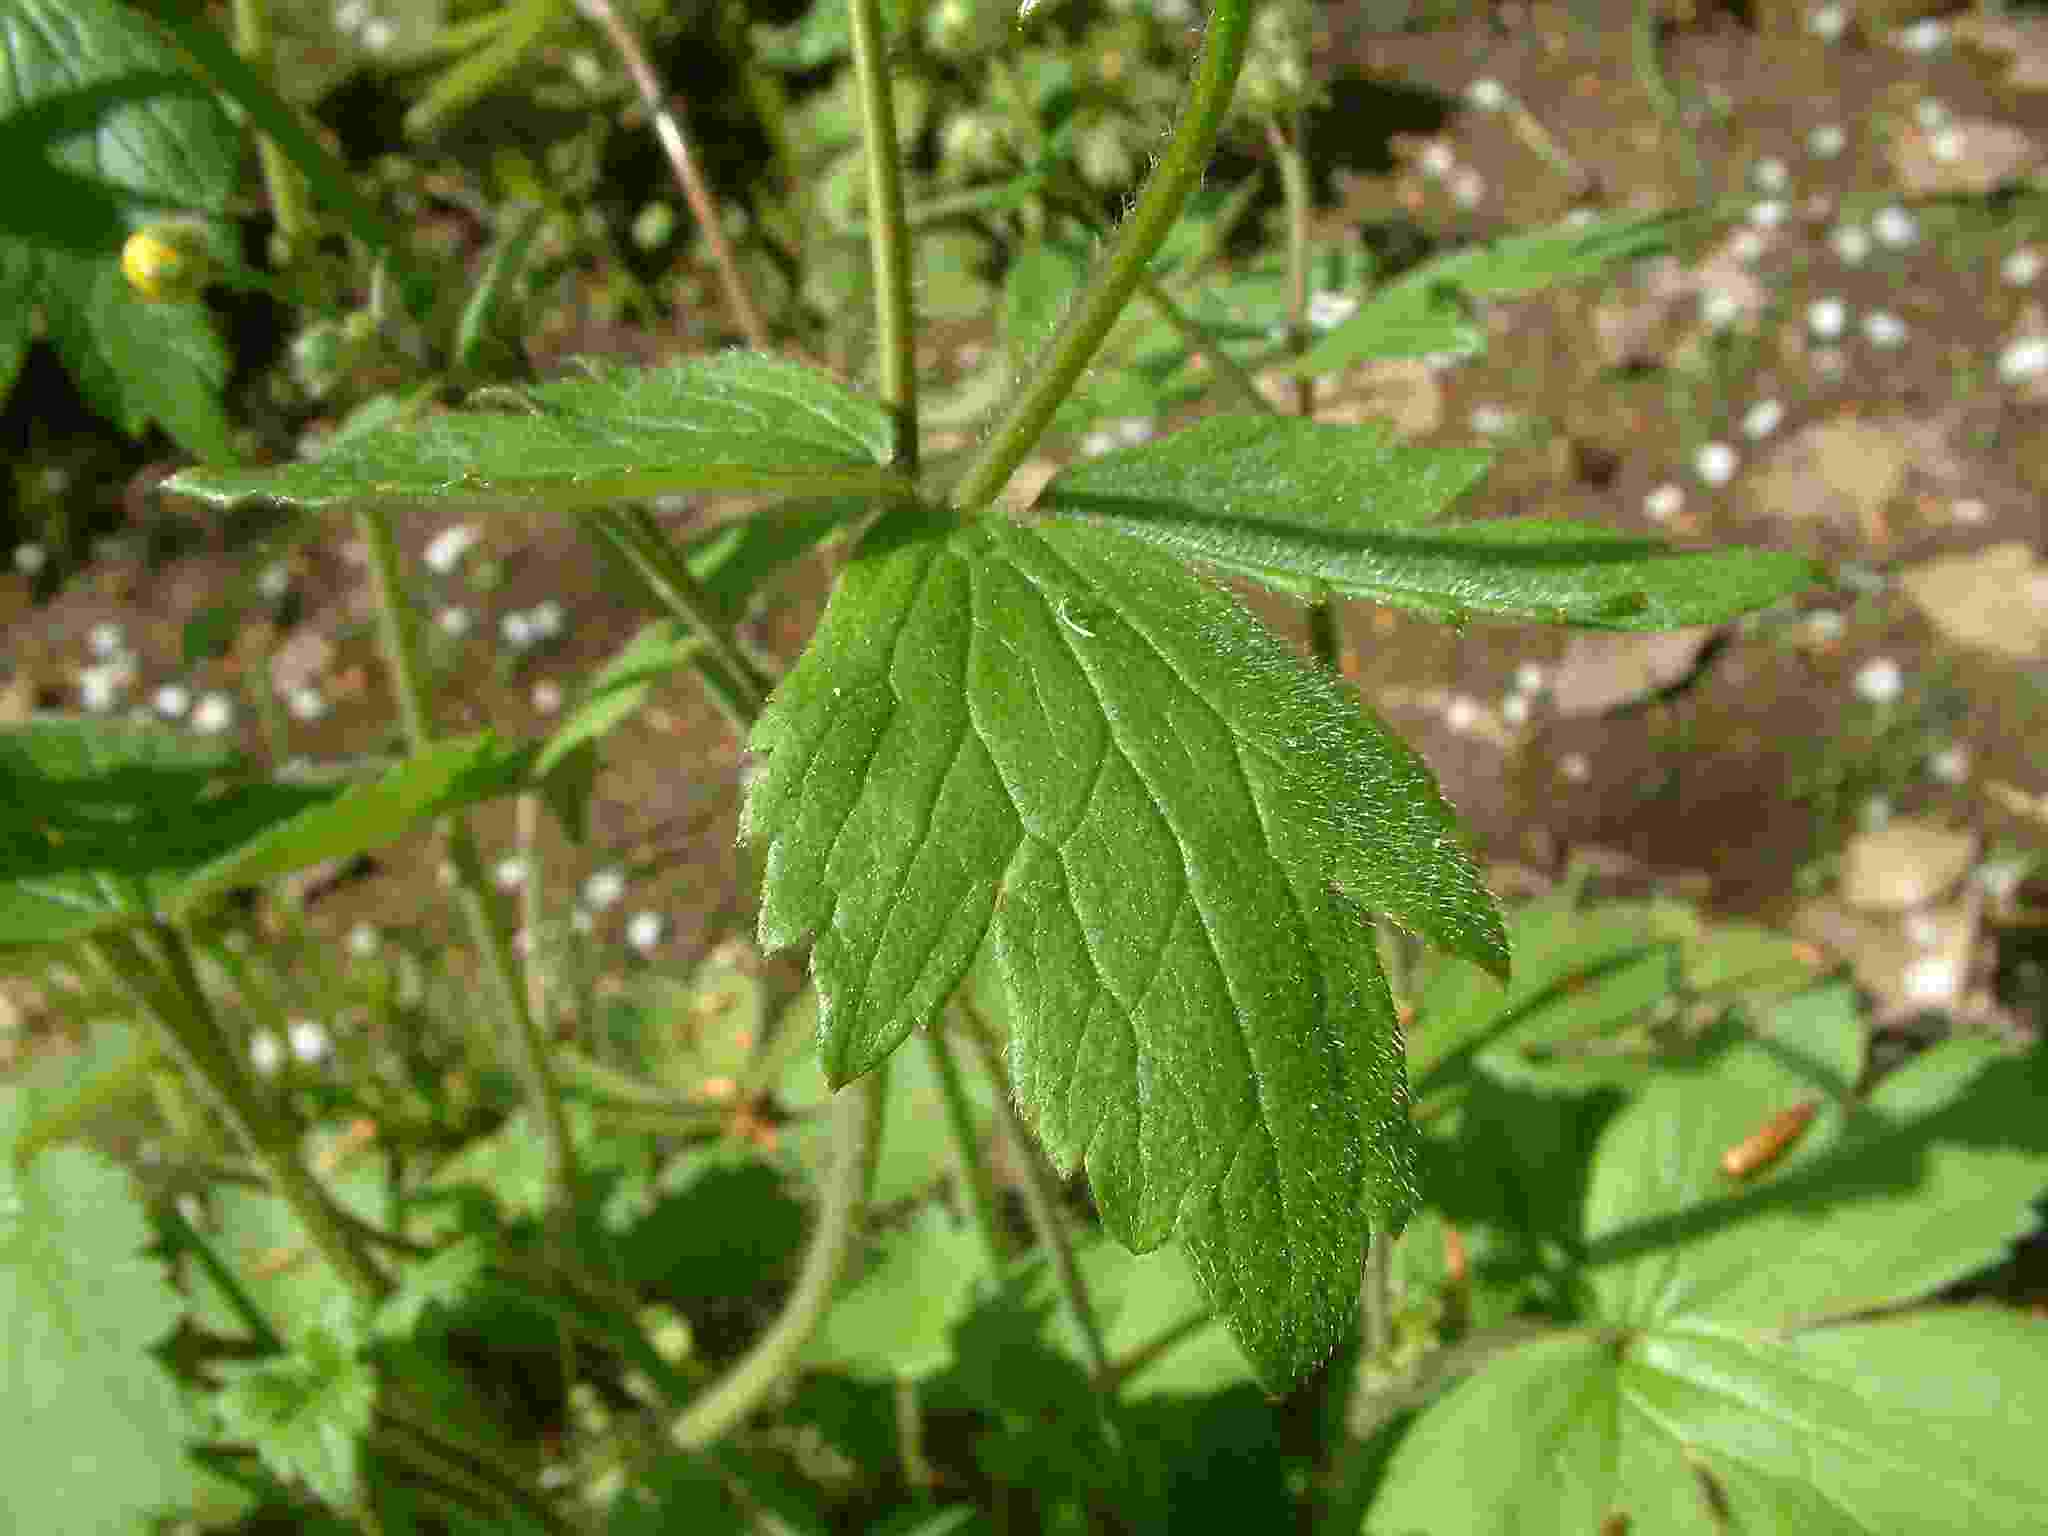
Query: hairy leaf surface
[[1302, 506], [737, 422], [1169, 829]]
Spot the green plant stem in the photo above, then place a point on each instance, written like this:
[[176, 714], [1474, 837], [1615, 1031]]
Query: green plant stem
[[169, 993], [856, 1138], [1230, 373], [1157, 1347], [1376, 1297], [1288, 148], [254, 42], [976, 1188], [675, 143], [1042, 1202], [488, 930], [188, 1239], [888, 228], [1059, 367], [1649, 66], [735, 685]]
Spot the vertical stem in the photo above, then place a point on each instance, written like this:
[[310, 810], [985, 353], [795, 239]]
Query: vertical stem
[[488, 930], [857, 1137], [1095, 310], [280, 177], [888, 227], [1289, 147], [170, 995], [977, 1190], [1376, 1297], [668, 128]]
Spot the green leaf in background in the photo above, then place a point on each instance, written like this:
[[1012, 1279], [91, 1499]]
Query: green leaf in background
[[735, 561], [1169, 829], [437, 1283], [102, 130], [736, 422], [1708, 1392], [306, 1413], [1302, 506], [95, 1427], [894, 1321], [619, 689], [1427, 311]]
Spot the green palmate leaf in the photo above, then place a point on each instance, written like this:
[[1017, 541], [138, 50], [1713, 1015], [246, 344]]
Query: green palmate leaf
[[1712, 1394], [1169, 829], [1427, 310], [1914, 1424], [441, 1282], [738, 422], [305, 1413], [104, 130], [1304, 507], [895, 1321], [95, 1427]]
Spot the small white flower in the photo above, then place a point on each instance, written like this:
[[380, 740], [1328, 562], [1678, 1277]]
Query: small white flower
[[2021, 267], [1664, 502], [274, 582], [1719, 309], [1771, 175], [1930, 112], [1969, 509], [1462, 713], [1097, 443], [1928, 36], [1883, 329], [2024, 359], [1515, 708], [213, 715], [308, 1041], [363, 940], [511, 873], [172, 700], [547, 697], [1487, 94], [1468, 187], [1576, 767], [266, 1054], [1827, 318], [1768, 214], [1880, 681], [446, 549], [1716, 463], [603, 889], [581, 920], [1490, 420], [349, 15], [1747, 247], [1895, 227], [29, 559], [522, 943], [454, 622], [1851, 244], [1948, 146], [517, 628], [107, 640], [378, 34], [546, 619], [1132, 431], [1828, 22], [1530, 677], [101, 686], [2000, 878], [1579, 218], [1931, 980], [307, 704], [1328, 310], [1951, 765], [1923, 931], [1762, 419], [1827, 141], [1875, 814], [1436, 160], [645, 931]]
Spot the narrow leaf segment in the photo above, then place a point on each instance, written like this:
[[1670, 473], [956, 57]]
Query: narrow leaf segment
[[739, 422], [1305, 507], [1170, 831]]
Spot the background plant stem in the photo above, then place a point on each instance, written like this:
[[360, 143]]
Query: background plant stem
[[488, 930], [977, 1190], [888, 228], [1059, 367], [280, 177]]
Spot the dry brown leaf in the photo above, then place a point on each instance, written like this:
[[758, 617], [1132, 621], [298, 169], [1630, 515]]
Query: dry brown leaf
[[1995, 599], [1907, 863]]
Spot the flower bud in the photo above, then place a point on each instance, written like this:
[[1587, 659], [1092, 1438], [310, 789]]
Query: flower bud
[[168, 262]]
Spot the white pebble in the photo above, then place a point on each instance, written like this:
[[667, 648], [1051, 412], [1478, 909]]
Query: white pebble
[[2024, 359], [645, 931], [1880, 681], [1762, 419], [1827, 141], [1716, 463], [1664, 503], [213, 715], [603, 889], [1827, 318], [1883, 329], [446, 549], [2021, 267], [1894, 227], [1851, 244]]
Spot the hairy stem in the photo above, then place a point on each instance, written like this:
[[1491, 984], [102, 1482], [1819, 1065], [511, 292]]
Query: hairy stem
[[888, 228], [1059, 367], [488, 930], [977, 1190], [856, 1138], [668, 128], [280, 178]]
